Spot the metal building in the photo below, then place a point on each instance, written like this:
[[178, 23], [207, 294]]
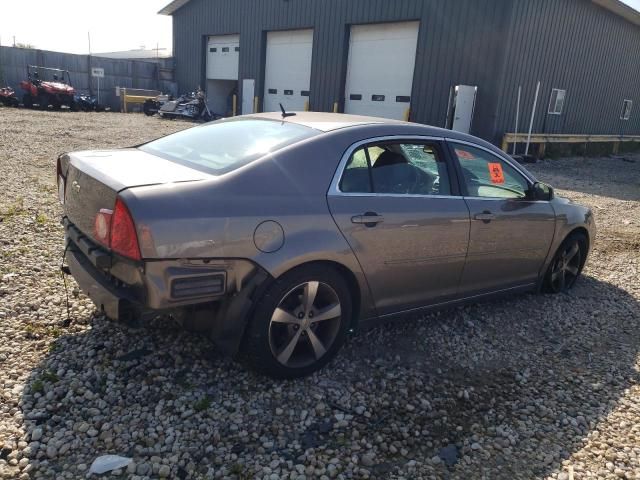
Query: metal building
[[453, 63]]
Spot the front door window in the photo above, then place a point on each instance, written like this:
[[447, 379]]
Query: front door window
[[488, 176]]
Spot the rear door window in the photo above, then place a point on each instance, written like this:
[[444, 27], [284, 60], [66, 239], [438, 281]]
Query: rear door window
[[409, 168]]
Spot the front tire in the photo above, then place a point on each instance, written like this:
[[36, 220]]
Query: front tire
[[300, 323], [567, 263]]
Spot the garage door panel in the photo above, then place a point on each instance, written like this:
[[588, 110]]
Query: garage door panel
[[223, 54], [288, 69], [380, 69]]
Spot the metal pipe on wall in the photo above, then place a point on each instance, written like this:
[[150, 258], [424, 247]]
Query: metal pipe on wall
[[517, 118], [533, 116]]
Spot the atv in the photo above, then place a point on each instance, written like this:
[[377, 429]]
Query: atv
[[47, 86], [8, 97], [88, 103]]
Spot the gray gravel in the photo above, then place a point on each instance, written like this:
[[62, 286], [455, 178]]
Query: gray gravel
[[533, 386]]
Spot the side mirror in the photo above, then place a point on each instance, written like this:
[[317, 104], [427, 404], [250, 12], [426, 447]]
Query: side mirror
[[541, 192]]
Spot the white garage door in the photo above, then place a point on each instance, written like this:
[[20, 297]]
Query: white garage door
[[288, 70], [223, 52], [380, 70]]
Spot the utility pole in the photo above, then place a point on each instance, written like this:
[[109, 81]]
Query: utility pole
[[89, 65]]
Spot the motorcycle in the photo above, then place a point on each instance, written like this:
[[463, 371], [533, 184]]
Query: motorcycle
[[192, 106], [152, 106], [8, 97]]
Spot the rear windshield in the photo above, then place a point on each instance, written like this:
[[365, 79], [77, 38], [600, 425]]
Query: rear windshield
[[223, 146]]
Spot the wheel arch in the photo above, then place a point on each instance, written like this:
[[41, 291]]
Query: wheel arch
[[581, 231]]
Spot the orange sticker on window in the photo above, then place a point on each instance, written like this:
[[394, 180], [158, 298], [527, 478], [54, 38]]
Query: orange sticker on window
[[464, 155], [495, 172]]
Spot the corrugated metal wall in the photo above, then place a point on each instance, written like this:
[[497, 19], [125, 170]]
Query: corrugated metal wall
[[459, 42], [121, 73], [578, 46], [494, 44]]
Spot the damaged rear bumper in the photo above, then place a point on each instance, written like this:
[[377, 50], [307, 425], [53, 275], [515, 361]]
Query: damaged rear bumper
[[220, 293], [116, 303]]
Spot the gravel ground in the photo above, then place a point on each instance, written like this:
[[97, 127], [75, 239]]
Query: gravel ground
[[534, 386]]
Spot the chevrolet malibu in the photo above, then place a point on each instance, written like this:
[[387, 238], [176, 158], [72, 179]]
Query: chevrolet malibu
[[277, 235]]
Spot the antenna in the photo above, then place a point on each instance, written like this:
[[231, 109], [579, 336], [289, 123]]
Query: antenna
[[286, 114]]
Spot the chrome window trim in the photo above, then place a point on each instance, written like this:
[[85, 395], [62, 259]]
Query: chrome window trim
[[397, 195], [334, 188]]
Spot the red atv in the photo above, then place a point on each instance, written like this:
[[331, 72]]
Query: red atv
[[8, 97], [47, 86]]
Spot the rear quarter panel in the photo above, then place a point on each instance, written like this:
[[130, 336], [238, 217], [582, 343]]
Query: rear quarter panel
[[217, 218]]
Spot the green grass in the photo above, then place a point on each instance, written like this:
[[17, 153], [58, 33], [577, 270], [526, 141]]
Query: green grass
[[41, 218], [37, 387], [237, 469], [15, 209], [49, 376], [203, 404], [55, 332]]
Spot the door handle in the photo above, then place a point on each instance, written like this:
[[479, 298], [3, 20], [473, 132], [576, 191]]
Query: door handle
[[485, 216], [369, 219]]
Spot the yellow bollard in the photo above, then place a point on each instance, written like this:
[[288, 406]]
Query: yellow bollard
[[306, 106], [335, 107], [407, 114]]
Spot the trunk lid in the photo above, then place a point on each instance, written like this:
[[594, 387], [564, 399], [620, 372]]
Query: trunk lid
[[94, 179]]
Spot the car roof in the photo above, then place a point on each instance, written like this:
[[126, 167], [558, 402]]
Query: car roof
[[326, 122]]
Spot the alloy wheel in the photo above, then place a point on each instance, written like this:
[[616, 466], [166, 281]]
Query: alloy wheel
[[566, 267], [305, 324]]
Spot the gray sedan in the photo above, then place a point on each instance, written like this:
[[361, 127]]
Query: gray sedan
[[278, 235]]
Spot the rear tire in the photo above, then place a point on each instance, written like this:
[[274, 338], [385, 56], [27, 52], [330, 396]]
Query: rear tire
[[55, 103], [300, 323], [27, 100], [567, 263]]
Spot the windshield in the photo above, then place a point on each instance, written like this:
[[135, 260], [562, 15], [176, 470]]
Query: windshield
[[223, 146]]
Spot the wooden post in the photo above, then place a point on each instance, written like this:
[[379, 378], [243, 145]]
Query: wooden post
[[616, 147], [542, 149]]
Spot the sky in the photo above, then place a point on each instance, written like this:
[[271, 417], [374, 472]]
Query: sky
[[62, 25]]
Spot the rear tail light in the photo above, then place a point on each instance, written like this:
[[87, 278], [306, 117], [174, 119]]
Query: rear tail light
[[102, 226], [115, 230], [124, 239]]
